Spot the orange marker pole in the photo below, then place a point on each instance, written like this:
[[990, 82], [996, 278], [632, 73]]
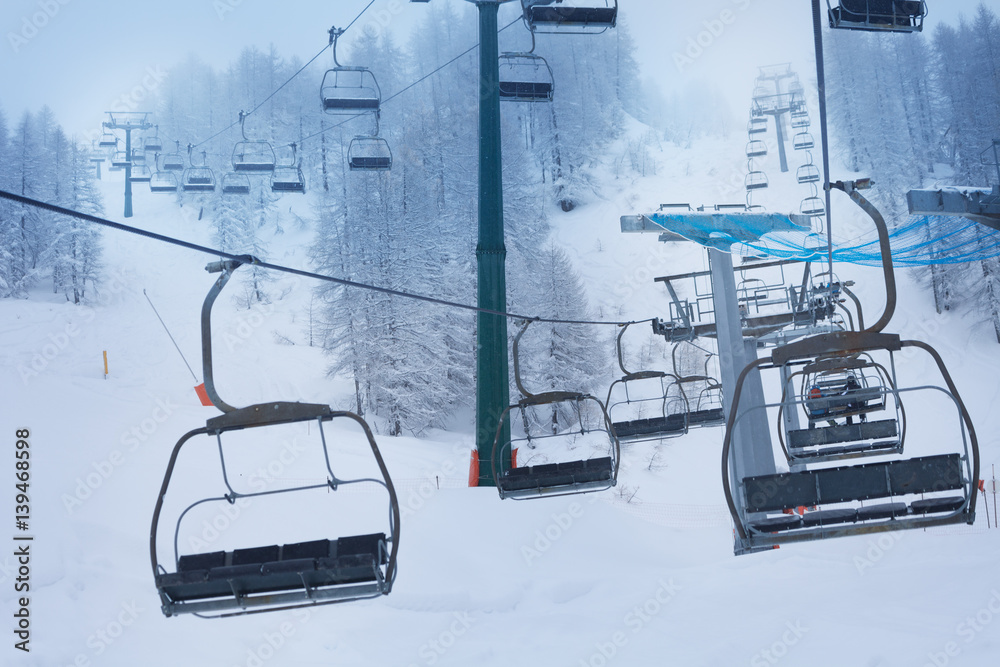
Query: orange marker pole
[[105, 364]]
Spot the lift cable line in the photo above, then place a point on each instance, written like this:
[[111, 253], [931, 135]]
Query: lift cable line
[[248, 259], [290, 79]]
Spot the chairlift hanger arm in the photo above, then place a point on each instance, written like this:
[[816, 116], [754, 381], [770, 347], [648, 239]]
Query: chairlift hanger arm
[[852, 188]]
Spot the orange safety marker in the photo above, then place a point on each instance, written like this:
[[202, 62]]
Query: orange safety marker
[[474, 469], [203, 395], [105, 364]]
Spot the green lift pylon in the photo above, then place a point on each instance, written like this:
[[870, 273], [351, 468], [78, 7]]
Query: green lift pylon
[[492, 380], [128, 121]]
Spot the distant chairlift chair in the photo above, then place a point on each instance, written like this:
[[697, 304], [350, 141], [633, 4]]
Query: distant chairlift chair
[[647, 404], [369, 154], [553, 479], [525, 77], [287, 176], [272, 578]]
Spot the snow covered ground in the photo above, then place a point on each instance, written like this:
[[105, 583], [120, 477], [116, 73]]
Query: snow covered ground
[[643, 575]]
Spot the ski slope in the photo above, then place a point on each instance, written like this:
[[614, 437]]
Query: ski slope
[[640, 575]]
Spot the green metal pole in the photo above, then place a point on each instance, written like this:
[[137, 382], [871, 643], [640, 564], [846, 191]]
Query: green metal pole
[[492, 389], [128, 172]]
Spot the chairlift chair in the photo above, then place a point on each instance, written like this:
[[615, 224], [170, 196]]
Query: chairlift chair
[[880, 492], [645, 405], [756, 148], [120, 160], [803, 141], [807, 173], [235, 184], [198, 179], [800, 122], [369, 154], [141, 174], [878, 15], [163, 182], [253, 157], [153, 144], [348, 91], [572, 16], [554, 479], [170, 162], [287, 176], [525, 77], [108, 140], [286, 180], [757, 126], [756, 180], [272, 578], [812, 206]]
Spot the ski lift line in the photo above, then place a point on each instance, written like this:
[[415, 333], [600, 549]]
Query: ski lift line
[[412, 85], [248, 259], [169, 334]]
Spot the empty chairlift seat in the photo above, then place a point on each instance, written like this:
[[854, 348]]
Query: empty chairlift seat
[[756, 180], [756, 148], [807, 173], [907, 483], [235, 184], [349, 91], [525, 78], [199, 179], [803, 141], [570, 16], [163, 182], [347, 567], [878, 15], [369, 154], [288, 180], [253, 157]]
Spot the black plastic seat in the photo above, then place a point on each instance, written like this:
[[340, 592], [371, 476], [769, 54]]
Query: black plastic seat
[[829, 517], [525, 90], [711, 417], [883, 511], [570, 473], [301, 567], [642, 427], [370, 163], [350, 103], [572, 16]]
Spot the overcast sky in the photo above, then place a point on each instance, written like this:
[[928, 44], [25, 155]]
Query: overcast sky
[[80, 56]]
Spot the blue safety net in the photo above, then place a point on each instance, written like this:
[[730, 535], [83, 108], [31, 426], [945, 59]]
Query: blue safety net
[[920, 241]]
